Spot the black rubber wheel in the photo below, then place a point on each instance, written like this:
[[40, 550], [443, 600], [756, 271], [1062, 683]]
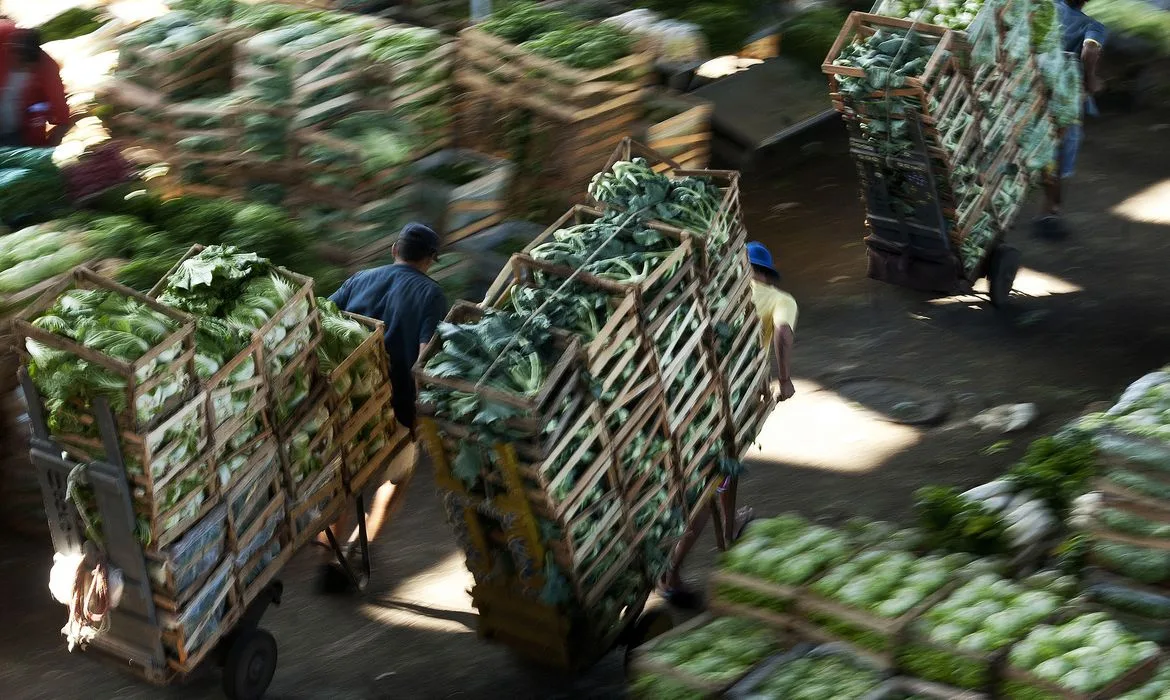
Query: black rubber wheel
[[250, 665], [1005, 263], [653, 622]]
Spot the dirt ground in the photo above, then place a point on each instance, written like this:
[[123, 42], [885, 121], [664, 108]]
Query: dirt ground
[[1095, 318]]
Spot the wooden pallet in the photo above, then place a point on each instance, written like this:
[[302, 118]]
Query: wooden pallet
[[549, 86]]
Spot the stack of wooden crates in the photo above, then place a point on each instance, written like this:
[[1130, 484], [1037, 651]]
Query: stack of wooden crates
[[953, 192], [219, 518], [568, 527]]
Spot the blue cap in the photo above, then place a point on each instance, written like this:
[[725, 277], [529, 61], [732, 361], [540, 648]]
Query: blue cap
[[759, 256]]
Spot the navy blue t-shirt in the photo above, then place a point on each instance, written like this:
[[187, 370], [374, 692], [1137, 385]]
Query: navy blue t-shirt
[[1077, 28], [411, 305]]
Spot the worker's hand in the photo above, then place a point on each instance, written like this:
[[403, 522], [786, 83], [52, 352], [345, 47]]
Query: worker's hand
[[787, 390]]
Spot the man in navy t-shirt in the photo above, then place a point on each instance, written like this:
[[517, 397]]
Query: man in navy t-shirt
[[1084, 36], [411, 304]]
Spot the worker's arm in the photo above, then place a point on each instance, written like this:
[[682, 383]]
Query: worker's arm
[[782, 342], [1091, 49]]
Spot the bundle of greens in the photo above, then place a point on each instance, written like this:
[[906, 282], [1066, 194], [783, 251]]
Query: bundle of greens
[[310, 444], [118, 327], [690, 203], [364, 146], [523, 21], [887, 57], [944, 13], [957, 524], [207, 283], [885, 583], [280, 57], [1056, 470]]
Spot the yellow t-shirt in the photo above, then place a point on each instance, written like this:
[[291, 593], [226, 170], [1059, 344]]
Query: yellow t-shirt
[[774, 308]]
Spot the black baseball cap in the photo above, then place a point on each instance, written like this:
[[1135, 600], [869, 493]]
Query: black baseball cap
[[421, 235]]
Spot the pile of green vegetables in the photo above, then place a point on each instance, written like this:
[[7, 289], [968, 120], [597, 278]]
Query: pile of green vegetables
[[820, 674], [887, 57], [718, 652], [787, 550], [617, 247], [305, 459], [690, 203], [243, 291], [885, 583], [1082, 655], [1155, 689], [985, 615], [726, 24], [1134, 18], [207, 74], [31, 186], [559, 36]]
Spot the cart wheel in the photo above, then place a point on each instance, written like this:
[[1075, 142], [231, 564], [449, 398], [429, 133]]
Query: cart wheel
[[654, 622], [1005, 263], [250, 665]]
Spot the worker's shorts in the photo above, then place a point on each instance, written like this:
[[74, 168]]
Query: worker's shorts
[[1070, 147]]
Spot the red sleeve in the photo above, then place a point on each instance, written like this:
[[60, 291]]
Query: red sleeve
[[53, 90]]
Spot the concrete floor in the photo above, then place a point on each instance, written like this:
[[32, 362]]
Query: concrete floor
[[1094, 316]]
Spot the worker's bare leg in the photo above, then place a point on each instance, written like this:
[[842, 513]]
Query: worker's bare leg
[[673, 579], [733, 520], [387, 502]]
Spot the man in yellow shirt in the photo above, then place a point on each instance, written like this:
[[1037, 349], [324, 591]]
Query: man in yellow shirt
[[777, 311]]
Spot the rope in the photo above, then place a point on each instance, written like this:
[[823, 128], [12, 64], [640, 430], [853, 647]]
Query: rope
[[89, 603]]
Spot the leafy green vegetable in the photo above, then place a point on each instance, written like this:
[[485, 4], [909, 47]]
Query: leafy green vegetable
[[957, 524]]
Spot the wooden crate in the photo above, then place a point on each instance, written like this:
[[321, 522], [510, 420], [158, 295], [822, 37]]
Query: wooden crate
[[727, 223], [550, 86], [901, 687], [861, 25], [618, 358], [251, 497], [204, 67], [399, 79], [319, 505], [814, 611], [562, 380], [546, 634], [323, 446], [261, 551], [564, 148], [181, 342], [644, 663], [679, 127], [1019, 681], [673, 274]]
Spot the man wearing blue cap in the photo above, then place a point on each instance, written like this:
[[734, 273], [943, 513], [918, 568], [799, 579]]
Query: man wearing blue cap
[[777, 311], [411, 304]]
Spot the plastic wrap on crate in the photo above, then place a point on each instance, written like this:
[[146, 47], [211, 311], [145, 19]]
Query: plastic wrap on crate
[[264, 536], [202, 605], [191, 556]]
